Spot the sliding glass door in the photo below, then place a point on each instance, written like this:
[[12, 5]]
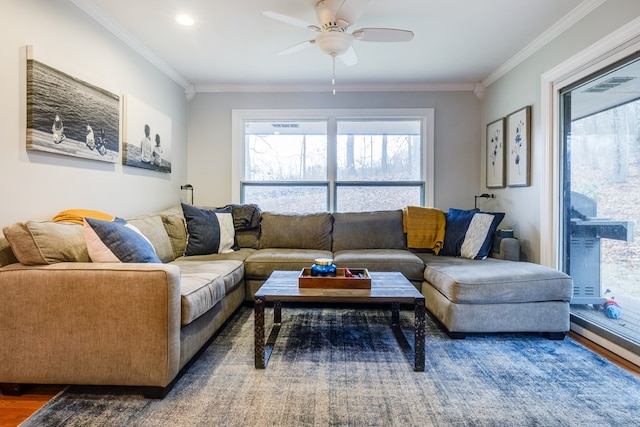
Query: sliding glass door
[[600, 126]]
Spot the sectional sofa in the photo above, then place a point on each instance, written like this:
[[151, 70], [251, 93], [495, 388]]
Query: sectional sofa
[[67, 319]]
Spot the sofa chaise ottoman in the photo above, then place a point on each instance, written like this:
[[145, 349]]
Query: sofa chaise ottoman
[[493, 295]]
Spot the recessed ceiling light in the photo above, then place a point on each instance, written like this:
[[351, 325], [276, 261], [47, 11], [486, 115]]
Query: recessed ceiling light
[[184, 20]]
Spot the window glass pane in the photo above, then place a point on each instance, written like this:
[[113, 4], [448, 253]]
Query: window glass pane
[[286, 151], [601, 188], [379, 150], [285, 198], [370, 198]]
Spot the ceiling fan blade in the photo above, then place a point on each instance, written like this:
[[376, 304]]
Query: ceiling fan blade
[[297, 47], [349, 57], [382, 35], [290, 20], [350, 10]]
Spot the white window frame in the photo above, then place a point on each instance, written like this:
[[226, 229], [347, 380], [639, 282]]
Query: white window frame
[[618, 45], [240, 116]]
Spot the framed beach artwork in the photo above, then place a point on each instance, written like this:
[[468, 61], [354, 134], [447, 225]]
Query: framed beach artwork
[[146, 136], [68, 116], [495, 154], [518, 145]]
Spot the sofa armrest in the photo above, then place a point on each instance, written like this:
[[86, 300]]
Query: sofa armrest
[[90, 323], [509, 249]]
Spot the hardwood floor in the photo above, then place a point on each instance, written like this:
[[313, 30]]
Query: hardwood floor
[[625, 364], [15, 409]]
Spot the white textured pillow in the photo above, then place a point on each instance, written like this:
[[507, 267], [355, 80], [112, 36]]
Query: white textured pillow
[[479, 229]]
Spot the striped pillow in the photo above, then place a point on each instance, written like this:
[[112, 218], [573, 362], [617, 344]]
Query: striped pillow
[[209, 231], [469, 234]]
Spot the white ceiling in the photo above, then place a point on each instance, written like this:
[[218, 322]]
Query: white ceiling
[[233, 45]]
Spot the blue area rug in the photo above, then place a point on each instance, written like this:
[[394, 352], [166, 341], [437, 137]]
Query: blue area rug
[[344, 367]]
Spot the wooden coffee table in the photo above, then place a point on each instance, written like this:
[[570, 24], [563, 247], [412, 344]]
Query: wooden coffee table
[[390, 287]]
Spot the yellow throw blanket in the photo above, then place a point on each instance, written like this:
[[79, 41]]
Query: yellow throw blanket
[[424, 227], [77, 215]]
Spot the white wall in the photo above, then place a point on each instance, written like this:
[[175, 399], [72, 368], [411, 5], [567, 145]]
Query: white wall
[[522, 86], [457, 136], [37, 185]]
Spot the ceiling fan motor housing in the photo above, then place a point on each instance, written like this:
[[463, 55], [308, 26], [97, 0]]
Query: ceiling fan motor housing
[[326, 12]]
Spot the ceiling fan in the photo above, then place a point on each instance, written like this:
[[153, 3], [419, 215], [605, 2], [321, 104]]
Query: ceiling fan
[[334, 19]]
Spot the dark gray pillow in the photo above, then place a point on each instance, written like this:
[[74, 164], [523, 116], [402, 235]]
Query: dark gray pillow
[[302, 231], [368, 230]]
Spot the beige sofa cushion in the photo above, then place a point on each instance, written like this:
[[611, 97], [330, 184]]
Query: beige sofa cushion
[[152, 227], [248, 238], [176, 227], [407, 263], [204, 283], [6, 254], [260, 264], [368, 230], [47, 242], [495, 281], [291, 231]]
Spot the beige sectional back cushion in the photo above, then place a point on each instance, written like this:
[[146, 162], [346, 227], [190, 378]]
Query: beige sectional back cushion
[[248, 238], [303, 231], [153, 229], [176, 227], [6, 254], [368, 230], [47, 242]]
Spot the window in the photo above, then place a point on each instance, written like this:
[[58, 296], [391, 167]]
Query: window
[[318, 160]]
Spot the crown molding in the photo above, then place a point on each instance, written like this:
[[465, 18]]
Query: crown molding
[[382, 87], [554, 31], [582, 10], [116, 29]]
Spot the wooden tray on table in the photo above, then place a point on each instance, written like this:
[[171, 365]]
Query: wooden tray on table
[[360, 280]]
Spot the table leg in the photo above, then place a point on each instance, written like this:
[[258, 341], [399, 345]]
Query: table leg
[[258, 311], [277, 312], [395, 314], [420, 323]]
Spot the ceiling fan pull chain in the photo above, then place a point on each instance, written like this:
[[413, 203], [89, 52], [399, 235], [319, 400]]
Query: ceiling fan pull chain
[[333, 78]]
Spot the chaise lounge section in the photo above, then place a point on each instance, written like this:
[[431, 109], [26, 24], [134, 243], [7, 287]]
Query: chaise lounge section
[[493, 295]]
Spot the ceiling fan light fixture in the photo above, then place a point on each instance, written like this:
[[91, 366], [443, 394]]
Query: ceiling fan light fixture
[[334, 42]]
